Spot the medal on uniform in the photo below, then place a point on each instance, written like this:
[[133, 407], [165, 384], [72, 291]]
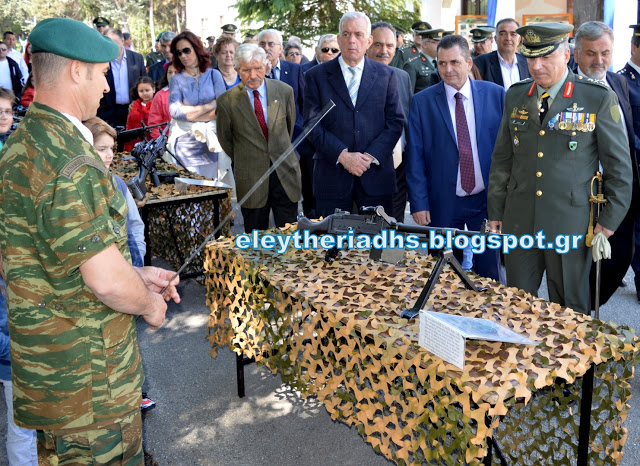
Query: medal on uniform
[[573, 144], [516, 141]]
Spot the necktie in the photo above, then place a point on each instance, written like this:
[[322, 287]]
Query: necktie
[[257, 106], [467, 172], [352, 88], [544, 105]]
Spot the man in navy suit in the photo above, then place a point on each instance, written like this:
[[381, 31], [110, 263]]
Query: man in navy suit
[[129, 66], [354, 144], [504, 66], [452, 130]]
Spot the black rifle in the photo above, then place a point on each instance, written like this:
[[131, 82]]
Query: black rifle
[[129, 134], [146, 154], [371, 221]]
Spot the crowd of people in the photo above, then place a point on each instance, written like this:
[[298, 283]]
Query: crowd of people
[[462, 132]]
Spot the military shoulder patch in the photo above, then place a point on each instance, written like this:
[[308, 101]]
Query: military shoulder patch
[[615, 113], [72, 165]]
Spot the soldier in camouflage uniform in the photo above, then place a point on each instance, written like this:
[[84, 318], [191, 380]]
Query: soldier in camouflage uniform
[[421, 67], [71, 288], [555, 131]]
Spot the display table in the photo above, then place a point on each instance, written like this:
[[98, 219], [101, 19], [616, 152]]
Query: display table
[[334, 331], [176, 223]]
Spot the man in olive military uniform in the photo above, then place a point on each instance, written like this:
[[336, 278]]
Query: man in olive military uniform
[[409, 51], [156, 56], [101, 23], [556, 129], [211, 41], [230, 30], [400, 32], [72, 291], [482, 40], [421, 67]]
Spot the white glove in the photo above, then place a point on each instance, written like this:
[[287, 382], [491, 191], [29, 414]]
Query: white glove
[[600, 249]]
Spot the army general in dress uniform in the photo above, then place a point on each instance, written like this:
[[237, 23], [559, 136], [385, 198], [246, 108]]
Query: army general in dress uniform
[[557, 127], [423, 66], [72, 291]]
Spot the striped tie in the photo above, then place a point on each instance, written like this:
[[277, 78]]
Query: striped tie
[[352, 88]]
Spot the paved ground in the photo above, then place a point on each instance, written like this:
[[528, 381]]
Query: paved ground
[[200, 419]]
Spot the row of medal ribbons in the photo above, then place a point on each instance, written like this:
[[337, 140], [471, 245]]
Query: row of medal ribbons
[[573, 121]]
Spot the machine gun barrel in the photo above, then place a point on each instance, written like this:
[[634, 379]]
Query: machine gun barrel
[[127, 135]]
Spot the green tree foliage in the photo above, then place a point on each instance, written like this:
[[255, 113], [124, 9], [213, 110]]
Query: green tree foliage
[[309, 19]]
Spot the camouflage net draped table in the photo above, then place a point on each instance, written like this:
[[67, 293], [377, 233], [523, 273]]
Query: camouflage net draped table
[[334, 331], [177, 223]]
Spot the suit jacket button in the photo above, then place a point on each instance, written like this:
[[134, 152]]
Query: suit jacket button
[[538, 193], [538, 174], [541, 132], [540, 155]]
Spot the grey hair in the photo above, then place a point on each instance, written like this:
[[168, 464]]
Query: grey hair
[[291, 45], [327, 38], [246, 53], [294, 40], [270, 31], [354, 15], [564, 45], [47, 68], [592, 30], [167, 36]]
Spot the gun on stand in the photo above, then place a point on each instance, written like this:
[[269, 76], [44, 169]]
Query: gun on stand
[[371, 221], [146, 154], [129, 134]]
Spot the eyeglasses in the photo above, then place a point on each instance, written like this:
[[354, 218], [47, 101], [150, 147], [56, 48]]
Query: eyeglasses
[[6, 113], [294, 54], [326, 50], [186, 51], [269, 44]]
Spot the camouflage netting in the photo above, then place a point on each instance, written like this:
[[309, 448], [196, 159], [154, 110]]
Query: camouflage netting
[[178, 222], [334, 331]]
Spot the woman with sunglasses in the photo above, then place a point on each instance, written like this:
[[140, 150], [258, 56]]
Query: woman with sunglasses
[[192, 99]]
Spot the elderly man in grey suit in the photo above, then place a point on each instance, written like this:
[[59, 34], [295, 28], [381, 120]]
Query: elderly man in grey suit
[[255, 122], [382, 50]]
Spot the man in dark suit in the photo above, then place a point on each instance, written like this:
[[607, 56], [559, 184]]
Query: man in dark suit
[[593, 53], [255, 124], [383, 50], [157, 70], [354, 146], [122, 75], [452, 130], [504, 66]]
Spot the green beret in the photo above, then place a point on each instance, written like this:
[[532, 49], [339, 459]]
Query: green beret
[[101, 21], [541, 39], [72, 39], [420, 26], [435, 34], [481, 33], [229, 28]]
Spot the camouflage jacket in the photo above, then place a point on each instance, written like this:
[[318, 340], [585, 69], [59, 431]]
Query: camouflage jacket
[[75, 362]]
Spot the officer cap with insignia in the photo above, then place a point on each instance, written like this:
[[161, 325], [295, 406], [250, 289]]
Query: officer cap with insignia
[[434, 34], [481, 33], [72, 39], [420, 26], [541, 39], [399, 30], [211, 38], [229, 29], [101, 21], [636, 30]]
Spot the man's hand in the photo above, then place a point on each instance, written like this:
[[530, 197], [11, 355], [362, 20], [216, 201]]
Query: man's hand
[[606, 231], [422, 217], [355, 163], [268, 68], [495, 226], [155, 279]]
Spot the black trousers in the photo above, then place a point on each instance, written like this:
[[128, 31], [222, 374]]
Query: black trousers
[[284, 211]]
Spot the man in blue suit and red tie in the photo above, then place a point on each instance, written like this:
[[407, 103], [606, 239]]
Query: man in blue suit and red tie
[[452, 130], [354, 144]]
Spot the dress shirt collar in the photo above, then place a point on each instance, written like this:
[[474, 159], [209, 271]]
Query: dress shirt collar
[[465, 90], [601, 81], [262, 90], [503, 62], [82, 128], [634, 66], [553, 90], [345, 68]]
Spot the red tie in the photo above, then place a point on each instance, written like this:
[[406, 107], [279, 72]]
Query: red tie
[[467, 172], [257, 106]]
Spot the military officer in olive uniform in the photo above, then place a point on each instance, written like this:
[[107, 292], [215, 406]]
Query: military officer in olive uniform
[[72, 291], [409, 51], [422, 67], [211, 41], [556, 128], [482, 40]]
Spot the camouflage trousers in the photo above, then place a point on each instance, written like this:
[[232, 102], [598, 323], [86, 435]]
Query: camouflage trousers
[[119, 443]]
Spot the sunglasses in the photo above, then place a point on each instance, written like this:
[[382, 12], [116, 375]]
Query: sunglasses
[[326, 50], [186, 51]]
